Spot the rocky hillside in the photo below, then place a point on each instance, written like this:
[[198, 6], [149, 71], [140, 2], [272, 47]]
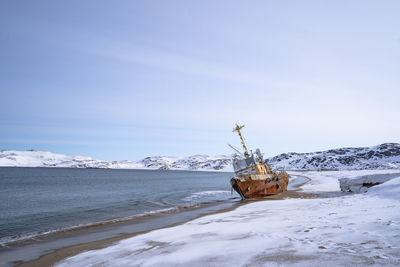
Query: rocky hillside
[[385, 156], [34, 158], [196, 162]]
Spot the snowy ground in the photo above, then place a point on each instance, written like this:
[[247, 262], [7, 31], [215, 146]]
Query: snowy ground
[[347, 230]]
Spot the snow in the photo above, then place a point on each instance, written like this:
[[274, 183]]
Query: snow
[[385, 156], [34, 158], [328, 181], [319, 181], [362, 183], [351, 229], [389, 189]]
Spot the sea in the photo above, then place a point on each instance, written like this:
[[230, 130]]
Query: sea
[[41, 201]]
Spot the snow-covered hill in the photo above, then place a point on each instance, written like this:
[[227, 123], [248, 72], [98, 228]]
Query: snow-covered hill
[[34, 158], [385, 156]]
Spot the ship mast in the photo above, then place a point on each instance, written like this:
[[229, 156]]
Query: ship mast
[[237, 129]]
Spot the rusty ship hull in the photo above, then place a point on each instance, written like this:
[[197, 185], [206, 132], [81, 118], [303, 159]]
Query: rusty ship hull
[[260, 188]]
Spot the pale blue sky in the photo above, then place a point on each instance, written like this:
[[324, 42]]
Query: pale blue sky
[[128, 79]]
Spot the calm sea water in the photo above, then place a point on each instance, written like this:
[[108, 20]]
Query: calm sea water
[[34, 201]]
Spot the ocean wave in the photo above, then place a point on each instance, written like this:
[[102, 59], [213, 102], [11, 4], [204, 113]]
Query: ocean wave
[[209, 196]]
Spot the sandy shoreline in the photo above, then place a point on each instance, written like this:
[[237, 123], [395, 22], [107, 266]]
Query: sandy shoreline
[[60, 254], [57, 255], [24, 252]]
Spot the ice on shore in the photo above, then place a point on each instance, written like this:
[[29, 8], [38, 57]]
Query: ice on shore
[[355, 229]]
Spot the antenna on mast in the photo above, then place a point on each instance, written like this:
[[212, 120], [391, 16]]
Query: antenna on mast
[[234, 148], [237, 129]]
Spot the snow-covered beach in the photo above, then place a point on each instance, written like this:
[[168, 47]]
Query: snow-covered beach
[[342, 229]]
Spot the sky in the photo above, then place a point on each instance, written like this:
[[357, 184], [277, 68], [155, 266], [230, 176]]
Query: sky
[[128, 79]]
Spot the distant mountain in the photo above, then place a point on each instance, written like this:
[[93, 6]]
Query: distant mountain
[[385, 156], [34, 158]]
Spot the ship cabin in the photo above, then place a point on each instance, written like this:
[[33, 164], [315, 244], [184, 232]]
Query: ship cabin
[[251, 168]]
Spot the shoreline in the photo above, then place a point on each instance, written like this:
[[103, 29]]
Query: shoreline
[[81, 206], [55, 256], [49, 234], [27, 251]]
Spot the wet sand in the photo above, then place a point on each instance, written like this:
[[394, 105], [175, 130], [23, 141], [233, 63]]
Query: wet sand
[[30, 250], [59, 254]]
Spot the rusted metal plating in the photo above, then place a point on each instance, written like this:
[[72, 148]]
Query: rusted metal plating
[[256, 188]]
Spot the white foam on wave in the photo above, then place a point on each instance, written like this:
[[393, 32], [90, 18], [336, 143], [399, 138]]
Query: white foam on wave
[[209, 196]]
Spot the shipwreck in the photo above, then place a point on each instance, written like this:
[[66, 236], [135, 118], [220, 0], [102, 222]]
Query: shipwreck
[[255, 178]]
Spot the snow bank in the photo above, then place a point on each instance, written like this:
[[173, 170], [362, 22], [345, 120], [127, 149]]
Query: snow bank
[[358, 229], [390, 189], [361, 184]]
